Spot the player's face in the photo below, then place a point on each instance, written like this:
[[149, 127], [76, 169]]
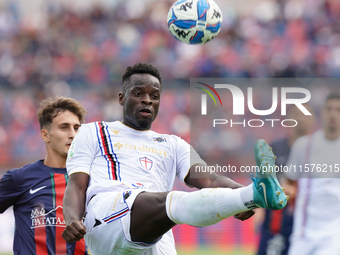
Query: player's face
[[141, 101], [331, 115], [60, 134]]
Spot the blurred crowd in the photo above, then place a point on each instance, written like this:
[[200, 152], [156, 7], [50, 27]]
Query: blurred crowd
[[60, 51]]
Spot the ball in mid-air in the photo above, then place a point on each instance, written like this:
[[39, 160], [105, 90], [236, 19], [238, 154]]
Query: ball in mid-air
[[194, 21]]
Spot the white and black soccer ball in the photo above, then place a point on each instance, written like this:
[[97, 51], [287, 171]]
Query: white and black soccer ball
[[194, 21]]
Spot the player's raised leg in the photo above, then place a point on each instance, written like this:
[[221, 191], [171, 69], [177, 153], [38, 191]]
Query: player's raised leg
[[153, 214]]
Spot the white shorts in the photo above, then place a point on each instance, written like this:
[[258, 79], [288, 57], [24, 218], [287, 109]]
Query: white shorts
[[107, 223]]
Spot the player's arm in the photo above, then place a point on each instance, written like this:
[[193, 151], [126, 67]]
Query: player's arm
[[187, 157], [74, 206], [202, 180], [8, 191]]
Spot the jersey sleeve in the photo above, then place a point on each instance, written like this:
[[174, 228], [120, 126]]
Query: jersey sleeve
[[82, 151], [186, 157], [8, 191]]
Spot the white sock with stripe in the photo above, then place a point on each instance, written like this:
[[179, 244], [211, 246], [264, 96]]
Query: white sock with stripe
[[206, 206]]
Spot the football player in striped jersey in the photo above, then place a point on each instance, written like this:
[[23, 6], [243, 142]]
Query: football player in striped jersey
[[122, 174]]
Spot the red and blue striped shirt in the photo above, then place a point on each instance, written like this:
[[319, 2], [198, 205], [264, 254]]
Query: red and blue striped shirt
[[36, 193]]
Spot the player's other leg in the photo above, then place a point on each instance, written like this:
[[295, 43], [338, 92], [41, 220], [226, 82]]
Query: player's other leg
[[149, 220], [153, 214]]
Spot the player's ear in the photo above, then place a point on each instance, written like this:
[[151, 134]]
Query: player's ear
[[121, 98], [45, 135]]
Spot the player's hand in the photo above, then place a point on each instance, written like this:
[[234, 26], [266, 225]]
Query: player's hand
[[74, 231], [290, 187], [244, 215]]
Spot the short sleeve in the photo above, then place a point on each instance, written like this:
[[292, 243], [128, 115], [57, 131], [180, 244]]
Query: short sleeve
[[82, 151], [186, 157], [8, 191]]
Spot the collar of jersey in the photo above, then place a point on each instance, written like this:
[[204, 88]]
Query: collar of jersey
[[134, 128]]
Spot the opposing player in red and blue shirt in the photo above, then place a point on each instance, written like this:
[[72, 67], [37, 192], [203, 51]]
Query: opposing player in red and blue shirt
[[36, 190]]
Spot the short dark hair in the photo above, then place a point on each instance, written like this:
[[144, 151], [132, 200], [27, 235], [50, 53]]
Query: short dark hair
[[139, 68], [52, 107], [333, 95]]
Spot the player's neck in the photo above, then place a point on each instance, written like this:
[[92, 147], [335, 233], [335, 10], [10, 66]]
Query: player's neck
[[293, 138], [135, 127], [332, 134], [55, 161]]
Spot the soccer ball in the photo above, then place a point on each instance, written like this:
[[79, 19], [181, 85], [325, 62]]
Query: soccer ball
[[194, 21]]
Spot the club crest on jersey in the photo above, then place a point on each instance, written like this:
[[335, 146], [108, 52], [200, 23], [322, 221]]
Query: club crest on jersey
[[146, 163], [159, 139]]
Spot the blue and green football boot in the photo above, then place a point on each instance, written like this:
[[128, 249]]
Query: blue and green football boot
[[268, 192]]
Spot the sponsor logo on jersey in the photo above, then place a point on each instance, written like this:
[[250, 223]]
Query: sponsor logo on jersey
[[146, 163], [115, 201], [119, 145], [41, 219], [115, 131], [145, 148], [159, 139]]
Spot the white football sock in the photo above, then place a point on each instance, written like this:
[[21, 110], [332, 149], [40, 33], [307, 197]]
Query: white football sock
[[204, 207], [247, 197]]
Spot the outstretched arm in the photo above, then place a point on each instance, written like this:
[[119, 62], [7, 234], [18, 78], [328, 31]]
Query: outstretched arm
[[9, 192], [74, 207], [213, 180], [209, 180]]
